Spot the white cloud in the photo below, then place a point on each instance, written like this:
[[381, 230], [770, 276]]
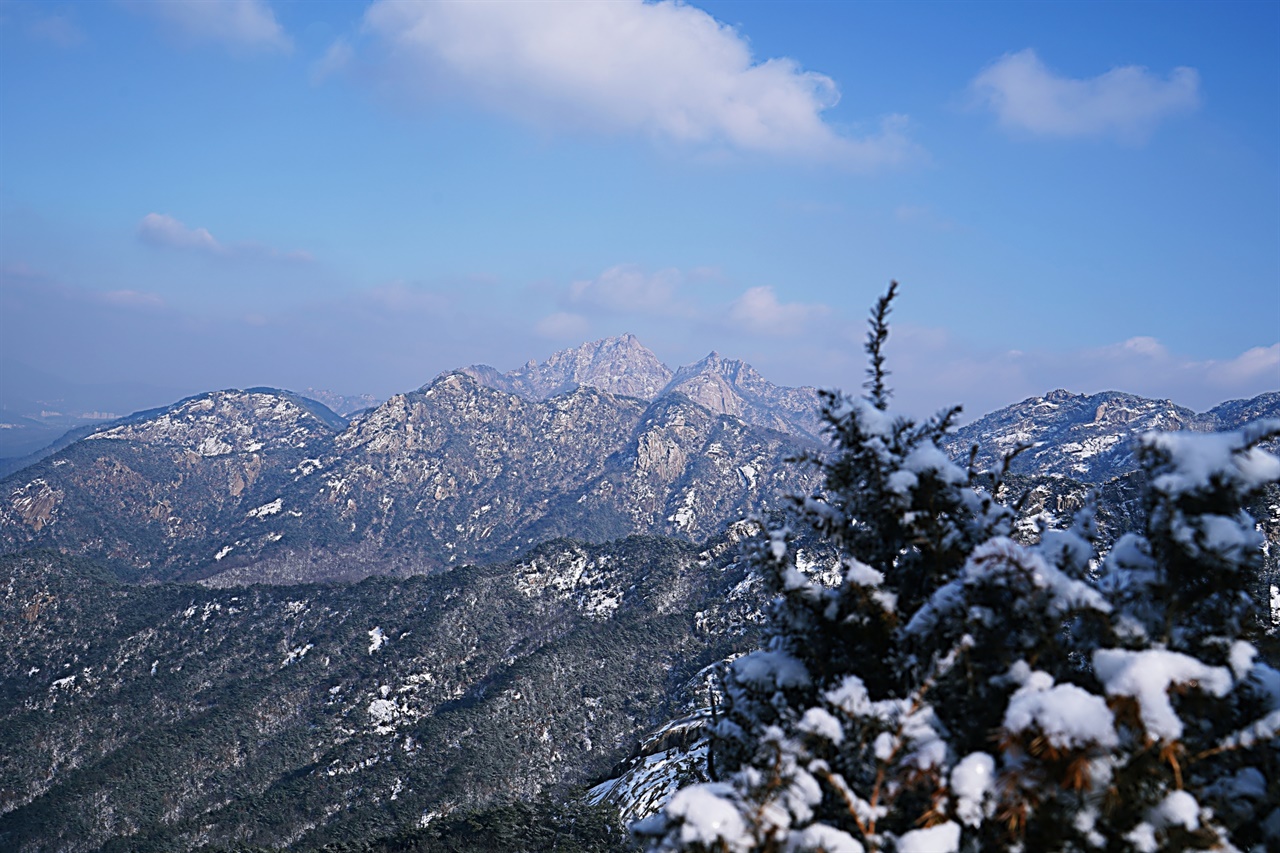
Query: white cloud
[[1145, 363], [165, 231], [562, 326], [58, 29], [160, 229], [1126, 102], [132, 299], [931, 370], [1258, 364], [334, 61], [759, 311], [237, 23], [666, 70], [698, 297], [400, 297], [628, 289]]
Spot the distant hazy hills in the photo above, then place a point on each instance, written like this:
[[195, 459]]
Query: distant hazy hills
[[342, 404], [37, 407]]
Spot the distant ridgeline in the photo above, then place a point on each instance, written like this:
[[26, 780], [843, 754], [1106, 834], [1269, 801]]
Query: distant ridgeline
[[250, 486], [173, 678]]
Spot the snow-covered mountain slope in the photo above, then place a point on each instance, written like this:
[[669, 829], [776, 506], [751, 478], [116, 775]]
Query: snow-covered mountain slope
[[598, 442], [1088, 437], [174, 717], [252, 487]]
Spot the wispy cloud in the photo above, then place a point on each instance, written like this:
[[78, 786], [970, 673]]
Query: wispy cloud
[[409, 299], [922, 216], [334, 61], [160, 229], [1126, 102], [759, 311], [132, 299], [239, 24], [698, 298], [665, 70], [562, 326], [933, 369], [626, 288], [164, 231], [58, 29], [1144, 362]]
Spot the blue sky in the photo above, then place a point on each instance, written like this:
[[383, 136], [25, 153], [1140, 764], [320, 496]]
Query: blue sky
[[357, 196]]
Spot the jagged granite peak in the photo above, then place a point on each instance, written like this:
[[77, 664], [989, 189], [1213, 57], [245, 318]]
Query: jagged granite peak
[[1089, 437], [619, 365], [733, 387], [685, 472], [623, 366]]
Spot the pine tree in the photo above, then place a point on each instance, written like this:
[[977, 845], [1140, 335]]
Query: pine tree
[[959, 691]]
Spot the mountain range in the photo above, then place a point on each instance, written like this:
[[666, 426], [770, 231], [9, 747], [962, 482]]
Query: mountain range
[[598, 442], [245, 621], [240, 486]]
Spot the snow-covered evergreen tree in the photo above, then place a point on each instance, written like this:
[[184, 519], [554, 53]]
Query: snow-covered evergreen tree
[[959, 691]]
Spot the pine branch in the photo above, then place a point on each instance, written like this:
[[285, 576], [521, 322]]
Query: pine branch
[[876, 338]]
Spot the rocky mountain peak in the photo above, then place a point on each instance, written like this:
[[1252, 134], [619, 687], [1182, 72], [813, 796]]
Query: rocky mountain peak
[[622, 366], [619, 365], [730, 386], [734, 370], [221, 422]]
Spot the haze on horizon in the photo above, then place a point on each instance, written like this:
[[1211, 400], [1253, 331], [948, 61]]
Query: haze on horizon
[[358, 196]]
